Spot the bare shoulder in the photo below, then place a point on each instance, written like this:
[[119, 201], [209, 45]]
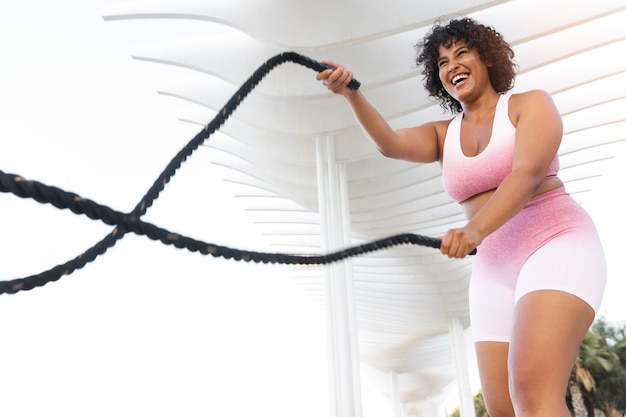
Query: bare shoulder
[[442, 124], [440, 128], [423, 143], [435, 125], [530, 102]]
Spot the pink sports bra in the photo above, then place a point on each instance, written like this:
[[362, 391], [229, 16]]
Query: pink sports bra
[[466, 176]]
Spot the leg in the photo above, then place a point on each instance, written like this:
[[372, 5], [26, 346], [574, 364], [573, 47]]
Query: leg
[[548, 328], [492, 358], [558, 289]]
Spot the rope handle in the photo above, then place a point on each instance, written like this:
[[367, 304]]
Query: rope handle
[[319, 67]]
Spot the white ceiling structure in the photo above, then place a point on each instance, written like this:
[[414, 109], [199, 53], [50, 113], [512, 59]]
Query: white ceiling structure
[[405, 297]]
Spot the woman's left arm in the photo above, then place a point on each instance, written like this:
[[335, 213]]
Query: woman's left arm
[[539, 130]]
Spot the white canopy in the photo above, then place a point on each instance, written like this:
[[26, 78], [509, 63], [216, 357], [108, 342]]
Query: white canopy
[[405, 298]]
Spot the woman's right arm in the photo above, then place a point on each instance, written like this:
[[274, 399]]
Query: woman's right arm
[[416, 144]]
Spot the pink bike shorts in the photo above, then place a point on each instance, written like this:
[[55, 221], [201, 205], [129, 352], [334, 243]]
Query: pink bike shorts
[[552, 244]]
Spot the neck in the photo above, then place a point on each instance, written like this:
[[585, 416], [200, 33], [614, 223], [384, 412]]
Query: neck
[[483, 104]]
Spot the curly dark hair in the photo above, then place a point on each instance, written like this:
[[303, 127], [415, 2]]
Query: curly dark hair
[[491, 47]]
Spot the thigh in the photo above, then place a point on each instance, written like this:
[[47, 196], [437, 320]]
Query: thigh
[[491, 309], [558, 291], [548, 328], [572, 262]]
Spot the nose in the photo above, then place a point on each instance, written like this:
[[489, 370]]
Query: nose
[[452, 66]]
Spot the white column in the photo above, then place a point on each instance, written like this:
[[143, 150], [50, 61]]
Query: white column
[[396, 400], [459, 350], [345, 384]]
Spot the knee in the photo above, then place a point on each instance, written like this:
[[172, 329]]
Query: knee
[[528, 393], [521, 389]]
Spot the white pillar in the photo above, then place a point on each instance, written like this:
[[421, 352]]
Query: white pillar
[[396, 400], [332, 183], [459, 350]]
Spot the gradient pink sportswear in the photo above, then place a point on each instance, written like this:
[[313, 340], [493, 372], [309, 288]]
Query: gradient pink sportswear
[[551, 244]]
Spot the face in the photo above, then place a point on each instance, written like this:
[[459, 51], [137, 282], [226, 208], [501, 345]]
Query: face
[[461, 70]]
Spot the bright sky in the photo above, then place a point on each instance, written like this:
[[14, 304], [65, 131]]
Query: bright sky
[[147, 329]]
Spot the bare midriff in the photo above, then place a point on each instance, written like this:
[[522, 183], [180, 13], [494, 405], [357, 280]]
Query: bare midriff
[[473, 204]]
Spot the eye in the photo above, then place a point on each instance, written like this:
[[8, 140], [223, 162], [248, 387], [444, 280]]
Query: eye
[[442, 63]]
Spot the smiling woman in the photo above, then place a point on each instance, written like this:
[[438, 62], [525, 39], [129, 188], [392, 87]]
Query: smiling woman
[[149, 330], [459, 63], [530, 308], [458, 39]]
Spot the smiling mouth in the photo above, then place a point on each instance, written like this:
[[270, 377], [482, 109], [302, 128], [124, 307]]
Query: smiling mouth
[[459, 78]]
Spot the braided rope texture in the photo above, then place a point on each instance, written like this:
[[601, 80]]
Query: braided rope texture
[[131, 222]]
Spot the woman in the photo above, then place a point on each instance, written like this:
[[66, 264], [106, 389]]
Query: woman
[[538, 278]]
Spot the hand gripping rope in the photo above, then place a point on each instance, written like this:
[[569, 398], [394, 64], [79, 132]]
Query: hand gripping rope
[[130, 222]]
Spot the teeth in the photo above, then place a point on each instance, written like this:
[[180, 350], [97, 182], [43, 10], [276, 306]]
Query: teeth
[[458, 78]]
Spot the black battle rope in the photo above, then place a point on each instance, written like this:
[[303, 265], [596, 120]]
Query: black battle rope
[[130, 222]]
